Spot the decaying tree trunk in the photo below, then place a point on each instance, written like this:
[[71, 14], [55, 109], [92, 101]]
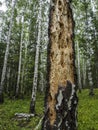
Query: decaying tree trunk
[[6, 54], [61, 99], [35, 79]]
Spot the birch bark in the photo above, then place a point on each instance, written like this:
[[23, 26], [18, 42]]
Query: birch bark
[[89, 52], [79, 73], [6, 53], [35, 79], [84, 73], [20, 60], [23, 70]]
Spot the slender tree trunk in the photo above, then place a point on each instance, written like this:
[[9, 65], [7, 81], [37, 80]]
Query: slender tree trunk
[[35, 79], [6, 55], [79, 73], [89, 52], [23, 69], [42, 82], [20, 60], [8, 78], [61, 98], [84, 73], [91, 93]]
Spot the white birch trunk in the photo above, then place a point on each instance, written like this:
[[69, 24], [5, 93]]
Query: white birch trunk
[[79, 73], [42, 83], [90, 78], [84, 73], [20, 59], [23, 69], [93, 6], [34, 89], [8, 77], [7, 51]]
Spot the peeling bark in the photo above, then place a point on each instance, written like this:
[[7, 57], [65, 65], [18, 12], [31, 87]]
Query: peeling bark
[[61, 99]]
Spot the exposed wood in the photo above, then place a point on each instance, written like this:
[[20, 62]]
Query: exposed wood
[[61, 99]]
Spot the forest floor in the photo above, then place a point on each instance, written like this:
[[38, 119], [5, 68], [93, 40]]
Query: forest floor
[[87, 113]]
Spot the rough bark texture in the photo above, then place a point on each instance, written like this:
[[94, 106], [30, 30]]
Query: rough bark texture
[[6, 54], [61, 99]]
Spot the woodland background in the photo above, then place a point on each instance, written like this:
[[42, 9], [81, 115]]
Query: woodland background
[[24, 26]]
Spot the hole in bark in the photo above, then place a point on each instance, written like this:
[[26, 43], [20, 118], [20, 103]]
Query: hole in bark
[[60, 3], [67, 40], [52, 53], [50, 97], [59, 46], [61, 25], [71, 56], [62, 64], [60, 35], [51, 114], [62, 60], [53, 9], [68, 15], [60, 9]]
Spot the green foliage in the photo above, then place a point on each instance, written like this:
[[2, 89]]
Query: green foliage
[[10, 107], [88, 111]]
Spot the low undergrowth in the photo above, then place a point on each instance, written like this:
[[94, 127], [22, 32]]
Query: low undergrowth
[[87, 112], [10, 107]]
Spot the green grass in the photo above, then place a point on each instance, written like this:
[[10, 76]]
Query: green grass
[[87, 113], [10, 107]]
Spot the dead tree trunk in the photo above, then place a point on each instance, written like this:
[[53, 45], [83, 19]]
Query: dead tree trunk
[[35, 79], [6, 54], [61, 99]]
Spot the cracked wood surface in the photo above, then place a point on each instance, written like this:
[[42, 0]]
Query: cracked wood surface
[[61, 54]]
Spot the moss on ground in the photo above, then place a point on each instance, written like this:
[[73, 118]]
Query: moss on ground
[[87, 112]]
